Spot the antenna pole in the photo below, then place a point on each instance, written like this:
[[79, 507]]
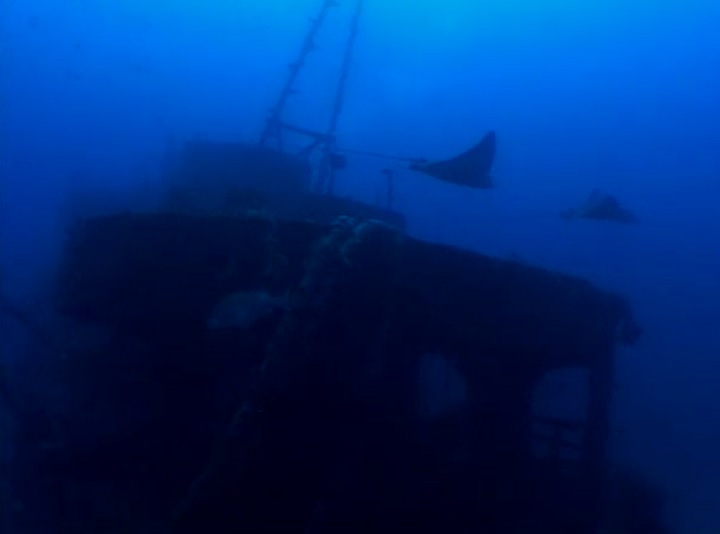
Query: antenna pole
[[327, 168], [273, 127]]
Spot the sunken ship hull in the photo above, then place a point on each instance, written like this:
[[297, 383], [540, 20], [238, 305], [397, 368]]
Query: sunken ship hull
[[394, 395]]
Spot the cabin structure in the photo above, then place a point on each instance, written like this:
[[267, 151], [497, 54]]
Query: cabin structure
[[228, 178]]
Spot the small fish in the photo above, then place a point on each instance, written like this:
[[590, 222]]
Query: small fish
[[469, 169], [244, 308]]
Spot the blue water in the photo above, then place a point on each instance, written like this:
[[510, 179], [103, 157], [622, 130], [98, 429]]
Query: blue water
[[582, 95]]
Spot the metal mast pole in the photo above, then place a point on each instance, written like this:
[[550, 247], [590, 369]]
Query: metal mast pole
[[273, 127], [327, 161]]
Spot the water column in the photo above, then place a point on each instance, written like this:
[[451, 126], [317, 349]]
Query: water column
[[5, 420]]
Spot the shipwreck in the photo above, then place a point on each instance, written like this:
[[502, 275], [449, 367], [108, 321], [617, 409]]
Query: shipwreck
[[395, 392]]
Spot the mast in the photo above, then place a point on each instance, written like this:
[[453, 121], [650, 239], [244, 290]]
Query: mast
[[274, 126], [328, 162]]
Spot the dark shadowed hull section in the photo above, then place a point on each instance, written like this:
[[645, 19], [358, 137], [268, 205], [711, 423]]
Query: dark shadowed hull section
[[324, 418]]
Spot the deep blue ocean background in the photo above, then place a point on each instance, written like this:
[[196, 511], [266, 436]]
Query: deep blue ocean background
[[618, 95]]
